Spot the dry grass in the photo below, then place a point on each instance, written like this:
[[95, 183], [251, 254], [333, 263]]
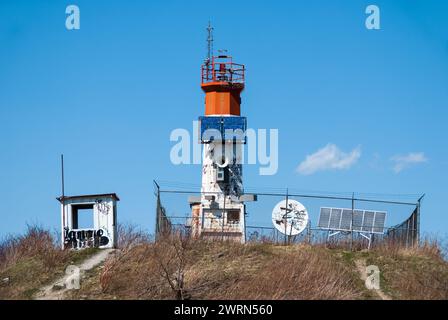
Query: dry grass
[[35, 242], [303, 273], [420, 272], [176, 268], [31, 260]]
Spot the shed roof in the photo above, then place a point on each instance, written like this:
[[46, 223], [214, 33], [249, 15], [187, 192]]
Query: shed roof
[[84, 196]]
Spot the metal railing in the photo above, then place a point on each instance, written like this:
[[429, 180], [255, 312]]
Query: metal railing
[[223, 69]]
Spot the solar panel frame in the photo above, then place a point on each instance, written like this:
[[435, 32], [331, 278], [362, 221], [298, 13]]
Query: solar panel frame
[[380, 220], [335, 218], [358, 219], [340, 219], [346, 219], [322, 216]]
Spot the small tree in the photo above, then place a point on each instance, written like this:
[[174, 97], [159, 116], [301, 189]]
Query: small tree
[[171, 253]]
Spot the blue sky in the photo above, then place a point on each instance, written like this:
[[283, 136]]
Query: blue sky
[[109, 95]]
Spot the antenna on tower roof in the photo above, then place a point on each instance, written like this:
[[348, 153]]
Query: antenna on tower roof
[[209, 42]]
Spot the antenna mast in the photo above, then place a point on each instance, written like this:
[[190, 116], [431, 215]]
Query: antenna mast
[[62, 176], [209, 42], [63, 190]]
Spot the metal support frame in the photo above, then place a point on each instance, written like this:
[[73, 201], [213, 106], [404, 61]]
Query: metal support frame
[[332, 234], [368, 237]]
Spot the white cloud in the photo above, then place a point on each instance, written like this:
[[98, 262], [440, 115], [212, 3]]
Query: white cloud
[[329, 157], [405, 161]]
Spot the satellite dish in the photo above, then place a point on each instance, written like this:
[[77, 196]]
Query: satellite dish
[[290, 217]]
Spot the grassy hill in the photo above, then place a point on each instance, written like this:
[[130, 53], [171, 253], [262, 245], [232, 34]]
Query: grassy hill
[[30, 261], [178, 268]]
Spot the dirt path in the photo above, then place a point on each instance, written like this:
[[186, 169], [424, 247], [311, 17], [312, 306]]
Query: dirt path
[[361, 266], [57, 289]]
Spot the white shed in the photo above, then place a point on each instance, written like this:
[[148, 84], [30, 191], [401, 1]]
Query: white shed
[[89, 221]]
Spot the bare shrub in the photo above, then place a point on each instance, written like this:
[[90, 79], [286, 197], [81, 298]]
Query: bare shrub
[[36, 242], [28, 261], [129, 236], [172, 257], [155, 269]]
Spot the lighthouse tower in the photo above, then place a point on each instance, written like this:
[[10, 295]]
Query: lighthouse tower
[[221, 211]]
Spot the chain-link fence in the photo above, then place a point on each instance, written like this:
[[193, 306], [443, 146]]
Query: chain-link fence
[[174, 212], [407, 232]]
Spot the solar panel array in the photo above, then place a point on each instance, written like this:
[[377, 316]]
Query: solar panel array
[[338, 219]]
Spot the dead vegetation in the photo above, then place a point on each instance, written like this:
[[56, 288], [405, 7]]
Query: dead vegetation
[[31, 260], [175, 267], [413, 273]]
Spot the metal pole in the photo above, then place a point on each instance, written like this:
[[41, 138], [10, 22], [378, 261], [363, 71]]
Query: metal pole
[[62, 175], [309, 232], [222, 216], [63, 199], [285, 220], [209, 42], [244, 221], [351, 225], [407, 233], [158, 208], [417, 224]]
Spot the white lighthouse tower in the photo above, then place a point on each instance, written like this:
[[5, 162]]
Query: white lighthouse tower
[[221, 210]]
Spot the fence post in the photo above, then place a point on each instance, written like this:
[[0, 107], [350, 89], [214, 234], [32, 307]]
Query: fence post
[[407, 231], [413, 230], [351, 225], [284, 219], [309, 232], [222, 216], [157, 194], [417, 222]]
